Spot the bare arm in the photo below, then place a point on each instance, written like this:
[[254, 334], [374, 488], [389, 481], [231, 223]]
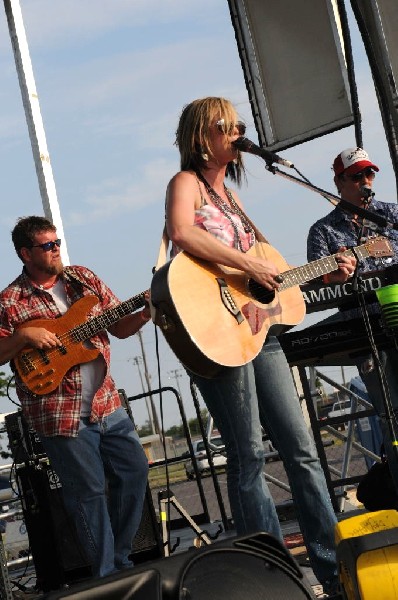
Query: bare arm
[[182, 199], [130, 324], [35, 337]]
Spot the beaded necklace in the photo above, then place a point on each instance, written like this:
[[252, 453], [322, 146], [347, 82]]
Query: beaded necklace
[[228, 210]]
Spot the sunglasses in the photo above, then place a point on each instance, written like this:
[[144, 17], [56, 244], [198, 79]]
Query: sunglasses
[[368, 173], [47, 246], [239, 125]]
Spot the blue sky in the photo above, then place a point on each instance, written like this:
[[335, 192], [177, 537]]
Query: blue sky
[[112, 78]]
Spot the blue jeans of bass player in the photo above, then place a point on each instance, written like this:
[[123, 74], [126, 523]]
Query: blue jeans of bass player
[[107, 517], [264, 390]]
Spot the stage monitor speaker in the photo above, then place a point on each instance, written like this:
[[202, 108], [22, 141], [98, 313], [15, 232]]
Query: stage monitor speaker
[[254, 567], [293, 61]]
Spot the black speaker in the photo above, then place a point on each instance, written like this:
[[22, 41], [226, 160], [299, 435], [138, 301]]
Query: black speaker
[[147, 544], [57, 553], [25, 444], [254, 567]]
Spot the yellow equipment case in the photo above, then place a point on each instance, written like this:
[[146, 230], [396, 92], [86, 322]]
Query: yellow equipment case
[[367, 556]]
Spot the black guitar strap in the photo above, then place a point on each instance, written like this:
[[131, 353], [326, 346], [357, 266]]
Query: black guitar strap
[[73, 277]]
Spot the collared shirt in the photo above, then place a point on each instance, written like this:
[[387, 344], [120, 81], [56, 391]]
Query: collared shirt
[[58, 413], [338, 229]]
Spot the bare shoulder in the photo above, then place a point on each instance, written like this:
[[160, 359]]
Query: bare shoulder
[[182, 179], [183, 190]]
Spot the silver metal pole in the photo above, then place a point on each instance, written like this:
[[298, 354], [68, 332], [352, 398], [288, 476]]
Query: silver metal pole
[[30, 100]]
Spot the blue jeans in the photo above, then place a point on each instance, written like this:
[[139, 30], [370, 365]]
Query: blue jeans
[[103, 472], [232, 402], [282, 418], [235, 400]]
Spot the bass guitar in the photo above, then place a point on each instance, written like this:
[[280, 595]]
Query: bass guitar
[[214, 317], [43, 370]]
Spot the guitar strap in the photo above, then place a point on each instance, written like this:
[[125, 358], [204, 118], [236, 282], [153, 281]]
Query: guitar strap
[[164, 244], [162, 259], [72, 276]]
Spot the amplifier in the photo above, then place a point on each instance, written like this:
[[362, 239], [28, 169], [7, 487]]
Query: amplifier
[[57, 553], [25, 444]]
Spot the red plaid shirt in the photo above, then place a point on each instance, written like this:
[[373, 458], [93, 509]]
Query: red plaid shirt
[[58, 413]]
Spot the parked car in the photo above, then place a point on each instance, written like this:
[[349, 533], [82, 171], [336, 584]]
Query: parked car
[[218, 456], [339, 409]]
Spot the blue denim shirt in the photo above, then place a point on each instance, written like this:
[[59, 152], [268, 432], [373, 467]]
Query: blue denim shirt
[[337, 229]]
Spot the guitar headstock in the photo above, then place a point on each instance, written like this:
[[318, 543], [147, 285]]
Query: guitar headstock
[[379, 246]]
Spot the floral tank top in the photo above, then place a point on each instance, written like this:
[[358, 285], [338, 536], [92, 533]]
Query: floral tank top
[[210, 218]]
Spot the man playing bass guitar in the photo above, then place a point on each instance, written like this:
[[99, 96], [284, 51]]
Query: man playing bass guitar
[[88, 437]]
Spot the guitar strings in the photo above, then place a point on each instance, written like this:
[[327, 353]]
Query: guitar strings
[[289, 276], [67, 338]]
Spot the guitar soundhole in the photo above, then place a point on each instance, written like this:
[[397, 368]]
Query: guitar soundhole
[[259, 293]]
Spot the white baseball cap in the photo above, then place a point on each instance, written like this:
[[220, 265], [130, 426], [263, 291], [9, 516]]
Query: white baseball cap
[[351, 161]]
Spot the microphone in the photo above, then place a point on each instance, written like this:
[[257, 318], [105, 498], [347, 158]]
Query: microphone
[[245, 145], [366, 192]]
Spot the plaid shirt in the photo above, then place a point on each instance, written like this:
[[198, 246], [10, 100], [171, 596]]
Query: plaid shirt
[[337, 229], [58, 413]]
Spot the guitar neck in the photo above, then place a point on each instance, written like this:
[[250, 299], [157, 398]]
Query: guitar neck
[[317, 268], [106, 319]]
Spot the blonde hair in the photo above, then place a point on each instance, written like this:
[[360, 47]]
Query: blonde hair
[[193, 139]]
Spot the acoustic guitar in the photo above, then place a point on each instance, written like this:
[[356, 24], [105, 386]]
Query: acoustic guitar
[[43, 370], [214, 317]]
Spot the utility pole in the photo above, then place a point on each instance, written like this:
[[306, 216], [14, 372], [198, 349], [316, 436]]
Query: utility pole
[[148, 382], [137, 360], [176, 373]]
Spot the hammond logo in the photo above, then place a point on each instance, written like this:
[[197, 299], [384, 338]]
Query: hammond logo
[[333, 292]]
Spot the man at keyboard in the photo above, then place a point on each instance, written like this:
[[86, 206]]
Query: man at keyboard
[[354, 174]]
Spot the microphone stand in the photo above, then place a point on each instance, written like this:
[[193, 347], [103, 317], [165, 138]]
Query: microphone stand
[[374, 222], [389, 415], [377, 220]]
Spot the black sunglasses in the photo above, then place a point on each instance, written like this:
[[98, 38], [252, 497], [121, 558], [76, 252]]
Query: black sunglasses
[[239, 125], [48, 245], [368, 173]]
